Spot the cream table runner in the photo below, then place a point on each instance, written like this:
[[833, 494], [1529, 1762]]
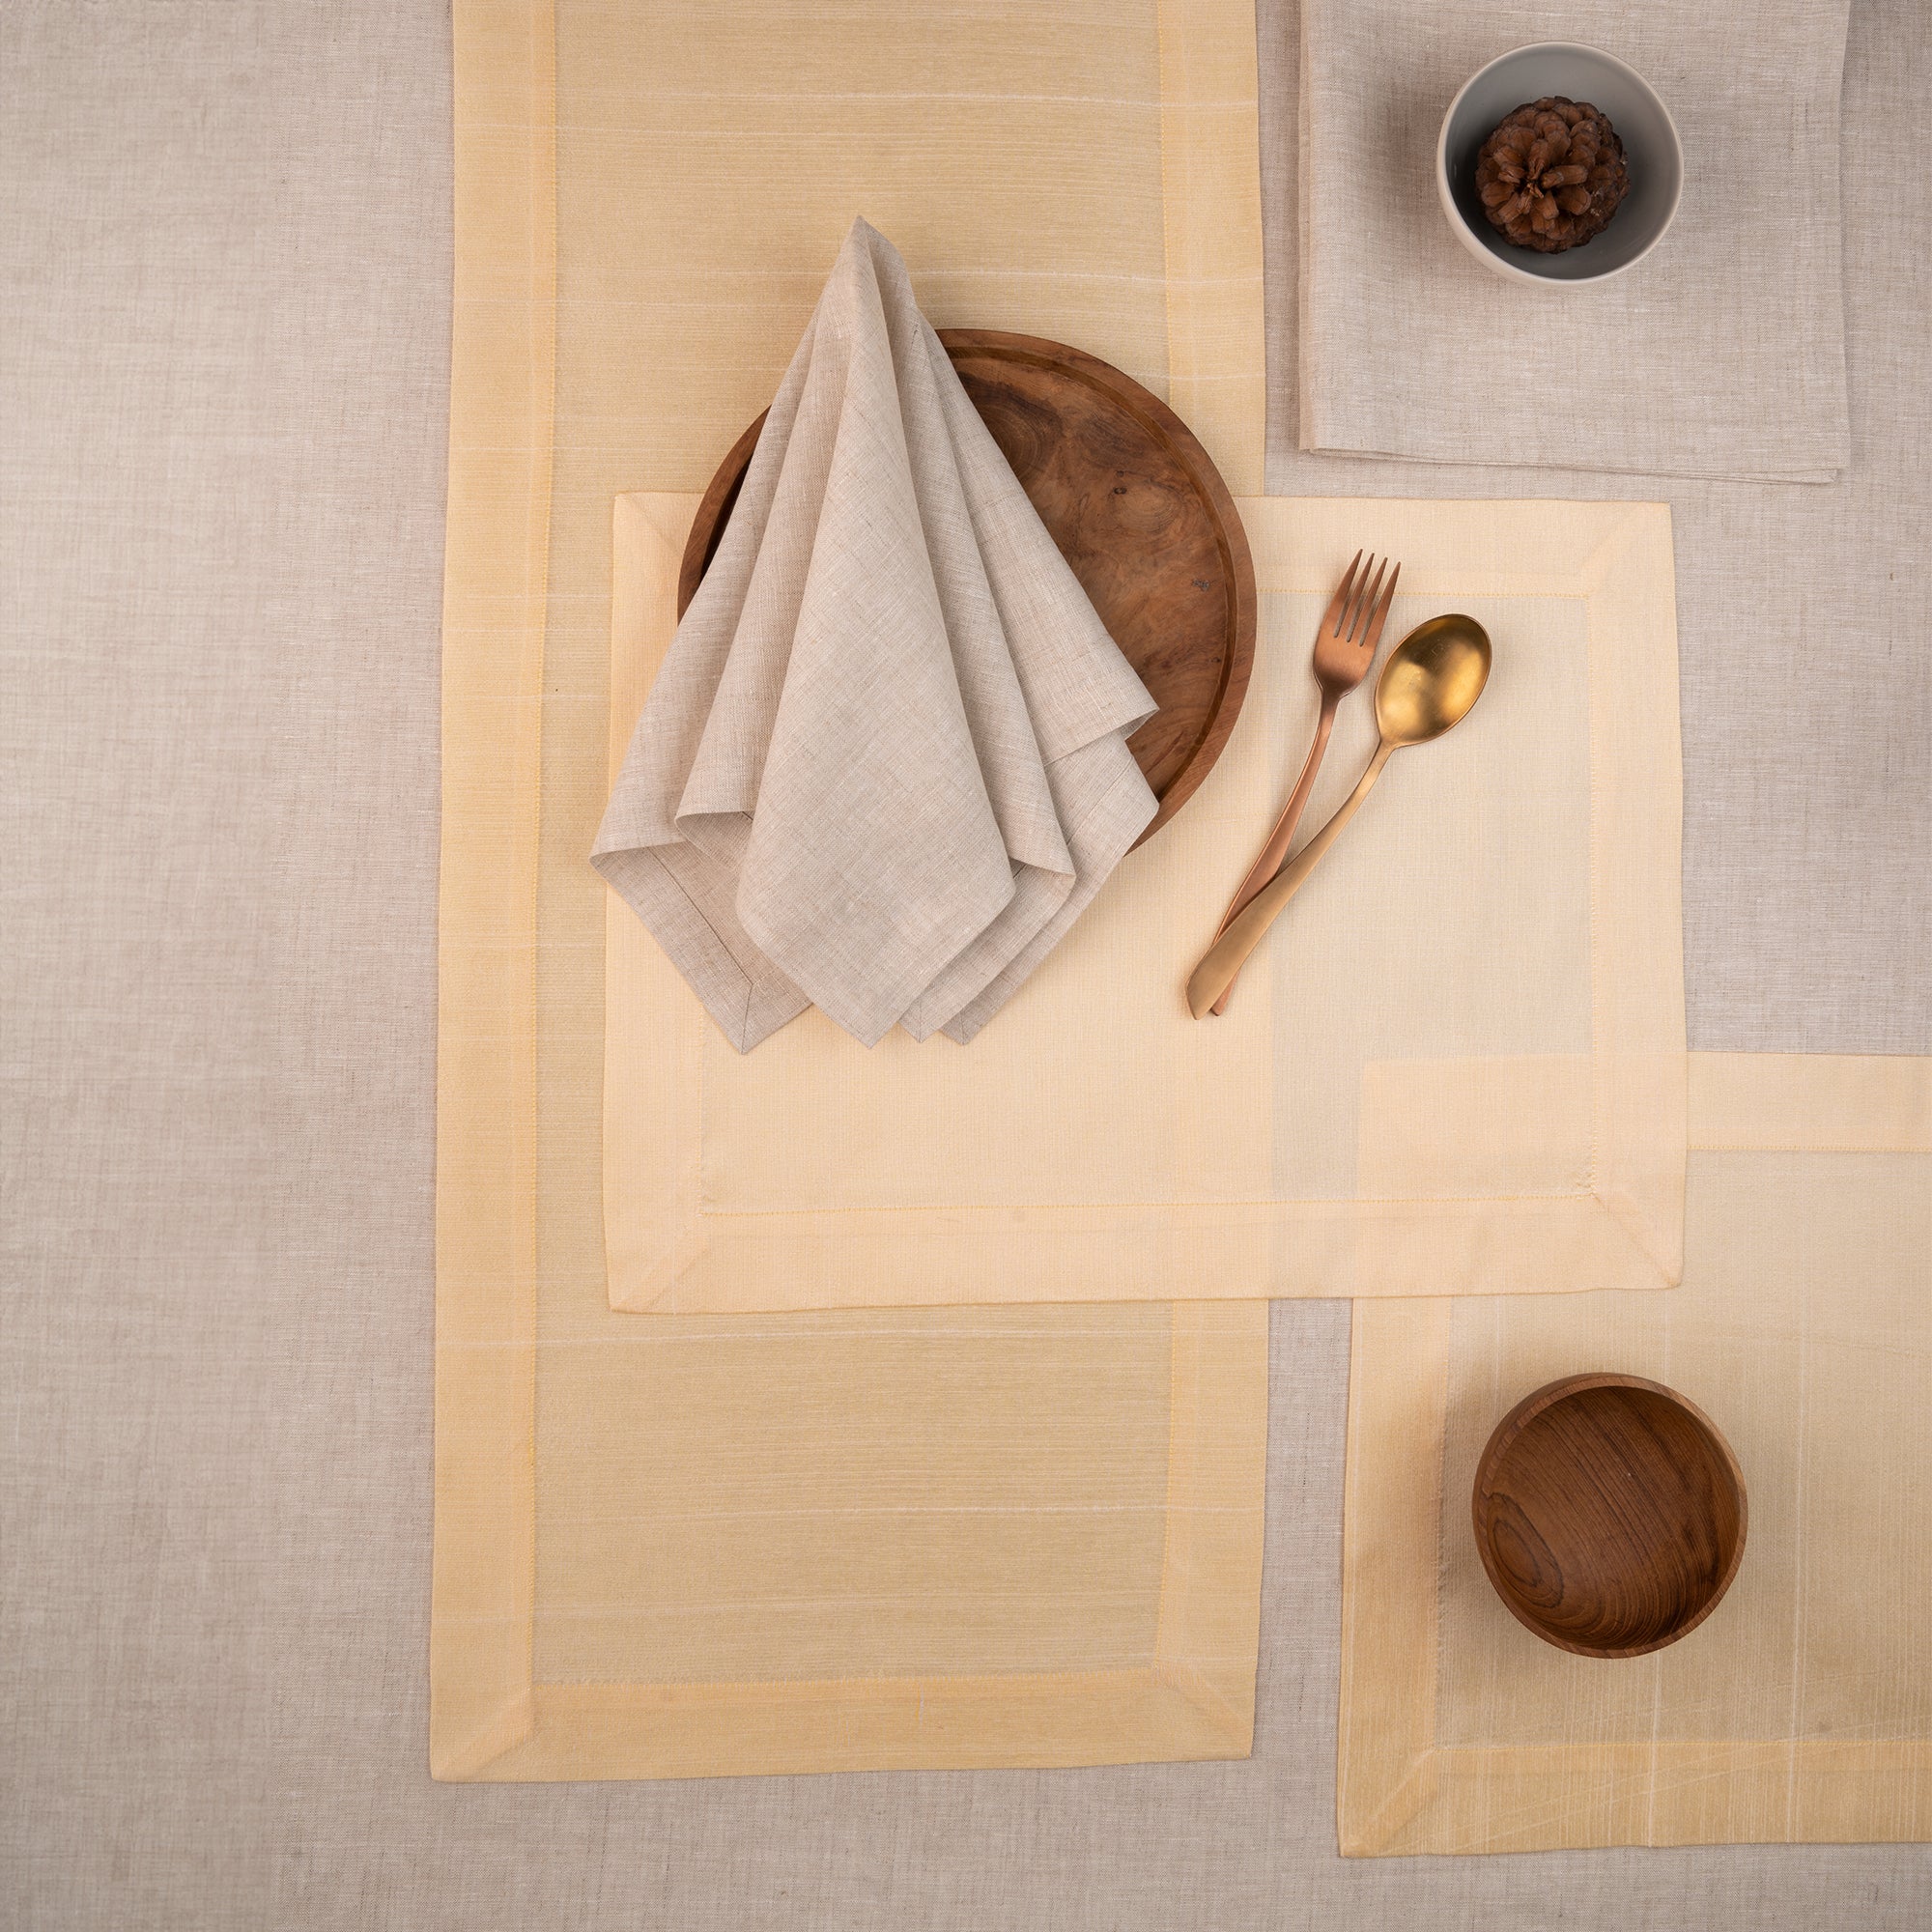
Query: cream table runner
[[1457, 1068], [1802, 1709], [681, 1547]]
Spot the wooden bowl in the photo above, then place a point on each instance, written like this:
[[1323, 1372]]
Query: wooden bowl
[[1138, 510], [1609, 1514]]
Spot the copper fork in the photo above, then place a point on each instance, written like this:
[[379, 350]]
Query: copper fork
[[1345, 648]]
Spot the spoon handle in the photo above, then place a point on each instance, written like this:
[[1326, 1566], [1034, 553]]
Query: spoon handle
[[1225, 958]]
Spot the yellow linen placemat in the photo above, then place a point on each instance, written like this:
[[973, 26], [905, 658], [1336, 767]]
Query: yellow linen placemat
[[670, 1546], [1801, 1711], [1483, 989], [961, 1537]]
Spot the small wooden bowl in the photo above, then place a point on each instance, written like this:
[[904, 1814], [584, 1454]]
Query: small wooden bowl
[[1609, 1514]]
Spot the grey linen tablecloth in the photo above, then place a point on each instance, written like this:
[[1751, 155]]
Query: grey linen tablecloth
[[223, 373], [1721, 355], [884, 766]]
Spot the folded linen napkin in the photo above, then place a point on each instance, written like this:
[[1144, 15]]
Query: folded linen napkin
[[1721, 353], [884, 765]]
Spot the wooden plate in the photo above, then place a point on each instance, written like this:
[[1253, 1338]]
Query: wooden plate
[[1136, 508], [1610, 1515]]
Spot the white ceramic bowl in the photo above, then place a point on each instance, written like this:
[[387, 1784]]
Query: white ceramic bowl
[[1652, 149]]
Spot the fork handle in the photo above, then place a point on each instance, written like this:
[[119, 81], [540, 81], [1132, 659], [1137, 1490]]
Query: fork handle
[[1225, 958], [1283, 835]]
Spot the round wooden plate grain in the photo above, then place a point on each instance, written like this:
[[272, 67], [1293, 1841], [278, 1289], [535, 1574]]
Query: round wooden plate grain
[[1138, 511]]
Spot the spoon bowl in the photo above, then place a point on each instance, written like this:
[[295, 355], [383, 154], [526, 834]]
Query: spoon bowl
[[1431, 680]]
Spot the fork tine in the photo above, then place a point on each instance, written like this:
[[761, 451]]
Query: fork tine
[[1345, 621], [1364, 604], [1342, 589], [1373, 636]]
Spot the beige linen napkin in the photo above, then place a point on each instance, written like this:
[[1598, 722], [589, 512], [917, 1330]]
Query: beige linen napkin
[[1721, 355], [884, 767]]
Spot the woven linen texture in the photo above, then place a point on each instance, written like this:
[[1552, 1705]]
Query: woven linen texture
[[1482, 989], [884, 765], [1721, 353], [707, 1546], [1801, 1710]]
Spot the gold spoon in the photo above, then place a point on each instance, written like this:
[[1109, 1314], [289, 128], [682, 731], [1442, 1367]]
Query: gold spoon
[[1430, 682]]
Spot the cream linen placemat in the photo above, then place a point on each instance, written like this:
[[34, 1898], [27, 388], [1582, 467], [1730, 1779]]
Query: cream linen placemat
[[1484, 984], [1802, 1709], [1721, 355], [693, 1547]]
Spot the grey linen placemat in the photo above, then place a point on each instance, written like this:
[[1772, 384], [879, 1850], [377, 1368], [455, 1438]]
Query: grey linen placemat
[[884, 766], [1721, 355]]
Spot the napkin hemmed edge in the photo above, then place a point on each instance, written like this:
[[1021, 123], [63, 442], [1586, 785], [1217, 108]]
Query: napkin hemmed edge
[[761, 1002]]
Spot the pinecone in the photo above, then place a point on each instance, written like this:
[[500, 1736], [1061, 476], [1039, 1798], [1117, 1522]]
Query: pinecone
[[1551, 175]]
